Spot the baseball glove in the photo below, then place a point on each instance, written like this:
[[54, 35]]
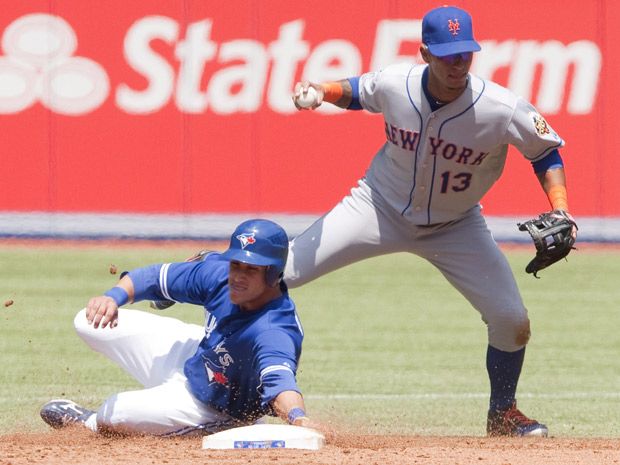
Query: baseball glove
[[552, 233]]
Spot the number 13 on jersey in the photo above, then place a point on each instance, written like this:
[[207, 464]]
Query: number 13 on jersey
[[455, 182]]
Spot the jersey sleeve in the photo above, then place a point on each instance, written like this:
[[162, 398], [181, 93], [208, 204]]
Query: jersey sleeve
[[187, 282], [275, 359], [530, 133], [369, 88]]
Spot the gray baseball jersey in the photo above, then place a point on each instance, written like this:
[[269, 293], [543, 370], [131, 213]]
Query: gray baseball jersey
[[437, 165], [422, 191]]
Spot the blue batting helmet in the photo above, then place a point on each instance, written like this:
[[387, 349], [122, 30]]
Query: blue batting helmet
[[260, 242]]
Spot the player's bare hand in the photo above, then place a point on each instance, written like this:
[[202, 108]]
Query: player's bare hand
[[102, 310], [574, 231], [327, 430], [307, 95], [570, 217]]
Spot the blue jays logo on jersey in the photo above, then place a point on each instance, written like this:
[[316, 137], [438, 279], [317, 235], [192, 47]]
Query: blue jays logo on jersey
[[246, 239], [215, 373]]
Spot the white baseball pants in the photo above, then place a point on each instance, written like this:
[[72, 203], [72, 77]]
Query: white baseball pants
[[152, 349]]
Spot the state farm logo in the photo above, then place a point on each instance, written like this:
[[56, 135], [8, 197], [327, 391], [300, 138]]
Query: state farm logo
[[201, 73], [38, 65]]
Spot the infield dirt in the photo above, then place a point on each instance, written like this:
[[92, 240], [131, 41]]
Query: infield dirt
[[73, 446]]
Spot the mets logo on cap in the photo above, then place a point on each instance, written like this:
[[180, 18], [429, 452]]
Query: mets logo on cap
[[246, 239], [454, 27], [448, 30]]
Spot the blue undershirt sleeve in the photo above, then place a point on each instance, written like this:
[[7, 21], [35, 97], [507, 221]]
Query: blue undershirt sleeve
[[355, 100], [551, 161]]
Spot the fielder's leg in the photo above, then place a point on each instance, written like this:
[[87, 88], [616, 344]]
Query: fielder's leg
[[468, 256], [355, 229], [470, 259]]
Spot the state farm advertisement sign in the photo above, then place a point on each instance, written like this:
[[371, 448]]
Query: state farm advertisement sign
[[185, 106]]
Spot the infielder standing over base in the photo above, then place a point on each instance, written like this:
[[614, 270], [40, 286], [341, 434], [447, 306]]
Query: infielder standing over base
[[240, 366], [447, 137]]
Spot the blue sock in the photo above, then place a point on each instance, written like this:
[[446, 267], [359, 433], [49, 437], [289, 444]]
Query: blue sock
[[504, 370]]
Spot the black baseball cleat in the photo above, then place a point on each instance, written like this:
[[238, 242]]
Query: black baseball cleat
[[512, 422], [60, 413]]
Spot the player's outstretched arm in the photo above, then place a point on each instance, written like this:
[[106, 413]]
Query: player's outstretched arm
[[103, 310], [309, 95]]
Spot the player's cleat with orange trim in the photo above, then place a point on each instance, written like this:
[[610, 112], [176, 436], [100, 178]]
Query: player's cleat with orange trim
[[512, 422], [60, 413]]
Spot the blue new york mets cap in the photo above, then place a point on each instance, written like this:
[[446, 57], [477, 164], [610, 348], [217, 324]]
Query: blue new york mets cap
[[447, 30]]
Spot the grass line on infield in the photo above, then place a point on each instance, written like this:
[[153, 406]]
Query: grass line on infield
[[462, 395]]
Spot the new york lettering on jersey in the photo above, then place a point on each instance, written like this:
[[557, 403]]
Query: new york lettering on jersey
[[408, 140]]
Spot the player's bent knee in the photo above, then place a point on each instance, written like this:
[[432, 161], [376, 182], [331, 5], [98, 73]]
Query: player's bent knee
[[79, 322], [87, 332], [509, 333], [523, 333]]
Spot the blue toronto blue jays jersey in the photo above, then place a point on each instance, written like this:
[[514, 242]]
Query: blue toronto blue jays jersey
[[246, 358]]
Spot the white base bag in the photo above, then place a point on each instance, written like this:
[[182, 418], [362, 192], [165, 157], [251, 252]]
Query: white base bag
[[265, 436]]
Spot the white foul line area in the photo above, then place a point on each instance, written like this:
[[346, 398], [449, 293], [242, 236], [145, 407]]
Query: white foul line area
[[464, 395]]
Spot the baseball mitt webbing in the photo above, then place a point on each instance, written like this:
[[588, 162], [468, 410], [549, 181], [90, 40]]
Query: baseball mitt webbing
[[552, 233]]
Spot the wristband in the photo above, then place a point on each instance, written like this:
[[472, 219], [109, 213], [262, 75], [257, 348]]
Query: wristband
[[558, 198], [332, 91], [295, 413], [119, 295]]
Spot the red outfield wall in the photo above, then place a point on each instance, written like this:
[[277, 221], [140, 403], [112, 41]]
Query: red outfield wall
[[184, 106]]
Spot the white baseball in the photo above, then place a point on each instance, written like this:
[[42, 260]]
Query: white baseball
[[308, 99]]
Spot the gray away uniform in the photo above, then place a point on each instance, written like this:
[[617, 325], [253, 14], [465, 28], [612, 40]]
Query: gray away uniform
[[422, 191]]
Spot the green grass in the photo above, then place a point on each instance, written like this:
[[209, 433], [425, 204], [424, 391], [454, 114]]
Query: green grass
[[390, 347]]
